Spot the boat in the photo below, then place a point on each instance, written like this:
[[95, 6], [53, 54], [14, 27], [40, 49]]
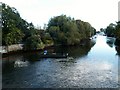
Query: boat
[[53, 55]]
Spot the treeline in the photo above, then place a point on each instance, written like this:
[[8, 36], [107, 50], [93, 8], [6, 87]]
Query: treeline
[[61, 30], [67, 31], [16, 30], [113, 30]]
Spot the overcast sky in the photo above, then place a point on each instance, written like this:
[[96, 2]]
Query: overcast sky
[[99, 13]]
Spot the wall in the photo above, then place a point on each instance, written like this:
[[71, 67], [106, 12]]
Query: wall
[[15, 47]]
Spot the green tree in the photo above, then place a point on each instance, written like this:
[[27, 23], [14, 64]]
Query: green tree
[[85, 29], [33, 43], [117, 35], [110, 30], [10, 33], [64, 30], [117, 30], [17, 30], [13, 37], [47, 39], [67, 31]]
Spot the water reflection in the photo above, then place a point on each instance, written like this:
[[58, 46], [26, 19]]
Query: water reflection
[[89, 66], [80, 51], [20, 63], [25, 59], [73, 51], [110, 41], [13, 61]]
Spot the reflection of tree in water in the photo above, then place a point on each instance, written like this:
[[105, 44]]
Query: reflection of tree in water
[[8, 62], [32, 56], [110, 41], [73, 51], [76, 51], [118, 50]]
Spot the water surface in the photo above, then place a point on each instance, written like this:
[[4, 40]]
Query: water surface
[[94, 65]]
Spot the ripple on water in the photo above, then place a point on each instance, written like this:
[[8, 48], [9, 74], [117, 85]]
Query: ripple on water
[[96, 69]]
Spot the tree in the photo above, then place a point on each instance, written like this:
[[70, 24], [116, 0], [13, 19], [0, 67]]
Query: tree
[[10, 33], [85, 29], [110, 30], [102, 30], [117, 30], [47, 39], [17, 30], [13, 37], [63, 30], [117, 34], [67, 31], [33, 43]]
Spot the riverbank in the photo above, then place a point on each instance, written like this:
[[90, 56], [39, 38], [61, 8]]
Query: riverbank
[[19, 48], [16, 48]]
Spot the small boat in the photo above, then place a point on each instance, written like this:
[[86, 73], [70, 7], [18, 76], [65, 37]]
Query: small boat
[[53, 55]]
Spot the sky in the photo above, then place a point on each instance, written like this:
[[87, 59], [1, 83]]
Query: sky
[[99, 13]]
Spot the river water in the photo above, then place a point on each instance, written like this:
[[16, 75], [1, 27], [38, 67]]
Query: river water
[[94, 65]]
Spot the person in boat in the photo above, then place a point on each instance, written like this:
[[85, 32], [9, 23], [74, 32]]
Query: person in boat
[[45, 52]]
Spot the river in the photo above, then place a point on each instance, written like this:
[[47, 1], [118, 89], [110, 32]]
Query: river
[[94, 65]]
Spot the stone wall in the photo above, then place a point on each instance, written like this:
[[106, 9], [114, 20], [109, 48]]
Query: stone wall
[[15, 47]]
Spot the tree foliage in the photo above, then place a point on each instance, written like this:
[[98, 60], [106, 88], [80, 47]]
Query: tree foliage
[[10, 32], [117, 30], [113, 30], [60, 30], [16, 30], [117, 34], [34, 43], [85, 29], [110, 30], [67, 31]]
